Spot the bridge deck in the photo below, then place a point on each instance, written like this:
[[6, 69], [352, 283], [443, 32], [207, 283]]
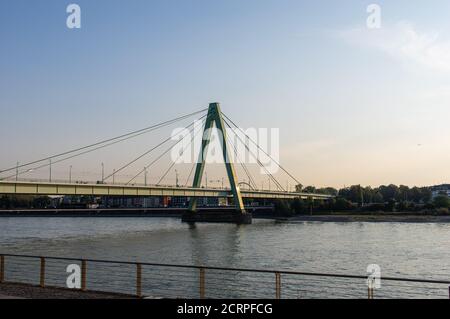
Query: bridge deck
[[50, 188]]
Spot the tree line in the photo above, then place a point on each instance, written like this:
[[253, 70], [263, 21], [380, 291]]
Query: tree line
[[359, 199], [368, 195]]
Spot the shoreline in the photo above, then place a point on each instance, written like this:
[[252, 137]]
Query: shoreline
[[397, 218]]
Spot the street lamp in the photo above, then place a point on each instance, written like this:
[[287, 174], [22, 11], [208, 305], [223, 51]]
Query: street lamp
[[103, 172], [70, 174]]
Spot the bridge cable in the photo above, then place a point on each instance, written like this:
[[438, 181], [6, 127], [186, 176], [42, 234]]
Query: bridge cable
[[181, 154], [92, 150], [279, 165], [104, 141], [190, 174], [277, 184], [247, 172], [258, 161], [164, 153], [140, 156], [260, 164]]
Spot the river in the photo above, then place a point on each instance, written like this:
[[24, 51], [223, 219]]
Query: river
[[401, 249]]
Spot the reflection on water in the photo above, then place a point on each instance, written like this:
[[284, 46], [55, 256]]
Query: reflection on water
[[401, 249]]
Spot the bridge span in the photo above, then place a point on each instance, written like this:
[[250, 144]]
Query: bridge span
[[59, 188]]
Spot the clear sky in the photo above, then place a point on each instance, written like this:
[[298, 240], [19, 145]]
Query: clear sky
[[354, 106]]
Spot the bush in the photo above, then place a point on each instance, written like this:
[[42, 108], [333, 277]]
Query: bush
[[298, 206], [375, 207], [282, 208], [342, 204], [442, 211], [441, 201]]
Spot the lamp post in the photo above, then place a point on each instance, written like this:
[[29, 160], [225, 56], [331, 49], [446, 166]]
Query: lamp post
[[50, 171], [70, 174], [103, 172], [145, 176]]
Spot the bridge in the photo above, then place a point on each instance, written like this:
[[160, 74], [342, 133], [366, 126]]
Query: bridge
[[214, 118], [60, 188]]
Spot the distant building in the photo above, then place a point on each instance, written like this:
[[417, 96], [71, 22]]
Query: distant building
[[443, 189]]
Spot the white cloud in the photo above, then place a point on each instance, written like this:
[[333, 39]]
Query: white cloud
[[403, 42]]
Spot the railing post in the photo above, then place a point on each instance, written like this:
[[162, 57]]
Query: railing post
[[2, 268], [42, 274], [370, 293], [139, 280], [370, 287], [277, 285], [83, 275], [202, 283]]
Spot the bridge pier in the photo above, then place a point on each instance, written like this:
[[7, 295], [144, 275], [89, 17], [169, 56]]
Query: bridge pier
[[218, 216]]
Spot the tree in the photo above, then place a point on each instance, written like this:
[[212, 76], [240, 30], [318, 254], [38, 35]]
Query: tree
[[298, 206], [341, 204], [309, 189], [327, 191], [298, 188], [403, 193], [441, 201], [377, 197], [427, 195], [282, 208], [416, 194], [389, 192]]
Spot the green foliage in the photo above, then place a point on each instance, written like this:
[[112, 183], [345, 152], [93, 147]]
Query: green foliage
[[441, 201], [282, 208], [298, 207], [309, 189], [342, 204]]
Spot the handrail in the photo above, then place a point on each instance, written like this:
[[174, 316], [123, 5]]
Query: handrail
[[284, 272]]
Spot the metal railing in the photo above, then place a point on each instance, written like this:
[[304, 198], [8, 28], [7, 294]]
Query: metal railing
[[159, 280]]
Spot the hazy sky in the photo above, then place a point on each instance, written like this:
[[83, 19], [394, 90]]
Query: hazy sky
[[354, 105]]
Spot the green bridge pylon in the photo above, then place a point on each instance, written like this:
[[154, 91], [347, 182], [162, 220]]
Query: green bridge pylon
[[215, 117]]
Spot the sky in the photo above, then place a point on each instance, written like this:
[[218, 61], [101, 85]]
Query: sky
[[354, 105]]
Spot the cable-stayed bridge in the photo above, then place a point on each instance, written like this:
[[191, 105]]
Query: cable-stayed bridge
[[11, 181]]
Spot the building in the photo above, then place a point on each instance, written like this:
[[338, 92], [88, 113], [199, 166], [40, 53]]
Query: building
[[443, 189]]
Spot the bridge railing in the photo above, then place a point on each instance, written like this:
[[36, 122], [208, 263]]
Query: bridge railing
[[155, 280]]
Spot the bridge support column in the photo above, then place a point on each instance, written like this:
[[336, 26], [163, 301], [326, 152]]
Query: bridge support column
[[215, 117]]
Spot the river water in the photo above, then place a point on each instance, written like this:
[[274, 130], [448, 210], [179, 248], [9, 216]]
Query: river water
[[411, 250]]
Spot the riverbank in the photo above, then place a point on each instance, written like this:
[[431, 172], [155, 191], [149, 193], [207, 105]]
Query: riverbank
[[370, 218]]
